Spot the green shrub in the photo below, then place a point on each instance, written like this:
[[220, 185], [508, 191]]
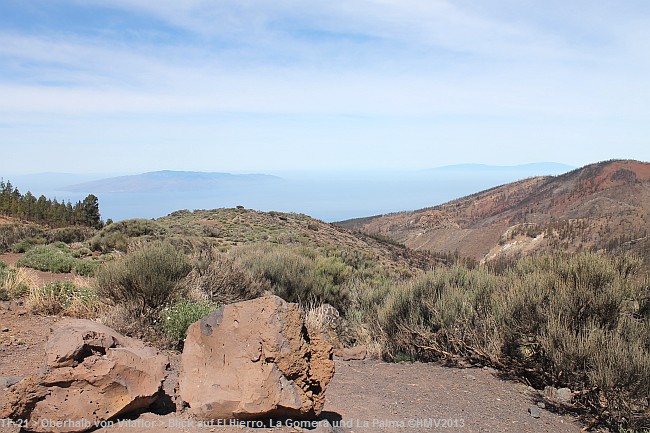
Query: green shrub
[[441, 313], [81, 252], [63, 297], [57, 258], [402, 357], [50, 258], [21, 247], [177, 318], [86, 268], [148, 277]]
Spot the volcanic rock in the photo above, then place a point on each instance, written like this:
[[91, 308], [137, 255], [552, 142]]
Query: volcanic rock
[[92, 374], [254, 359]]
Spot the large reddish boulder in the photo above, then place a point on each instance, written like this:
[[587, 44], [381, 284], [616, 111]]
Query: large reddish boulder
[[93, 374], [254, 359]]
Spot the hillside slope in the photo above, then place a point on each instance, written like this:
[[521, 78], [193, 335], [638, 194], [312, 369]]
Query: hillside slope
[[602, 205], [229, 227]]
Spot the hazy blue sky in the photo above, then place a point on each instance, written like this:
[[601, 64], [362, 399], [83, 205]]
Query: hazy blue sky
[[139, 85]]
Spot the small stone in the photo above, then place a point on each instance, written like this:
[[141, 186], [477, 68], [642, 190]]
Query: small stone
[[561, 395], [564, 395], [534, 411], [470, 377], [5, 329], [541, 405]]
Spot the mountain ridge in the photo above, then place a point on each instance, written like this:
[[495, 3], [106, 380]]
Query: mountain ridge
[[598, 206]]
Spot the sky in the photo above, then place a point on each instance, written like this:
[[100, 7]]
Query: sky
[[98, 86]]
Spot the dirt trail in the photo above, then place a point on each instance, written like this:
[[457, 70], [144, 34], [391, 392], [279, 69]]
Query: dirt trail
[[364, 396]]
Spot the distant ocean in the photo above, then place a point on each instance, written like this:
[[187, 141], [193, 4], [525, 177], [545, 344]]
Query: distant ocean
[[328, 196]]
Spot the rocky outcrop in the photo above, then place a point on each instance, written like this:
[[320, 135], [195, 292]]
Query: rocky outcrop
[[254, 359], [92, 374]]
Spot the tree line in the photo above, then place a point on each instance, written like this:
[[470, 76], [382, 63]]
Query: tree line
[[47, 211]]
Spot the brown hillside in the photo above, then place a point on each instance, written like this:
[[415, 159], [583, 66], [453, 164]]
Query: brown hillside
[[601, 206]]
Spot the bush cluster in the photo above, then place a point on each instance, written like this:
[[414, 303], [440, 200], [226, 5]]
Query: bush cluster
[[218, 278], [302, 274], [581, 321], [57, 258], [118, 235], [22, 246], [148, 278], [70, 234]]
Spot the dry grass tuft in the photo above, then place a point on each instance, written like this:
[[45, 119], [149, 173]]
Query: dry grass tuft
[[325, 321], [65, 298], [17, 282]]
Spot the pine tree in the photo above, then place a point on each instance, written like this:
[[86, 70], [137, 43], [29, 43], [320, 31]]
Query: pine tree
[[44, 210], [90, 212]]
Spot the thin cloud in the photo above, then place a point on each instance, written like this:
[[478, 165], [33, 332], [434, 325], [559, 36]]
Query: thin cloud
[[485, 67]]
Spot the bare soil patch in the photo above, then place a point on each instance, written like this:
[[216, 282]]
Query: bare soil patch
[[22, 340]]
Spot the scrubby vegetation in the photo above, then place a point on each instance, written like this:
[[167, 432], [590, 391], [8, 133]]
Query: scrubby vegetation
[[19, 237], [148, 278], [14, 233], [298, 274], [118, 235], [58, 258], [576, 320], [217, 278], [580, 321]]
